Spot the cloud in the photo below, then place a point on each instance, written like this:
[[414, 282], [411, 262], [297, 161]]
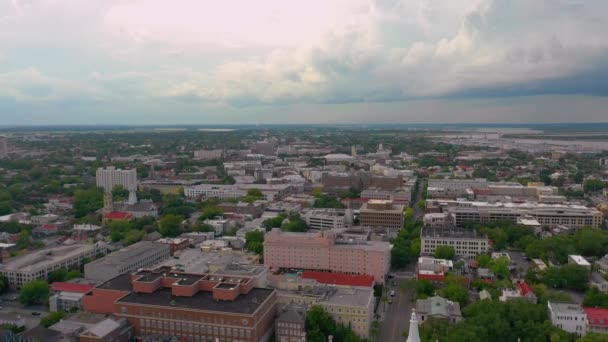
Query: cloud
[[194, 55]]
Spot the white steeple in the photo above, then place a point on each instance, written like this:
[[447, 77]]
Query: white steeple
[[413, 335]]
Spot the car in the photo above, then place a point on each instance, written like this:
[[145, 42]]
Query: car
[[390, 301], [390, 276], [35, 313], [393, 293]]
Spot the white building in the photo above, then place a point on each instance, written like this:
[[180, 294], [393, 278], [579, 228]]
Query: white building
[[208, 154], [270, 192], [466, 243], [579, 260], [38, 264], [569, 317], [110, 177], [548, 215]]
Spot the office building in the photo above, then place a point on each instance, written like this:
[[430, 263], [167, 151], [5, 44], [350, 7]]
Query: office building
[[67, 296], [192, 307], [326, 251], [466, 243], [39, 263], [89, 327], [400, 195], [325, 219], [569, 317], [208, 154], [548, 215], [139, 255], [381, 213]]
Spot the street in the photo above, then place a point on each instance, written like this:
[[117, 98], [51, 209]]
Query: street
[[397, 315], [9, 304]]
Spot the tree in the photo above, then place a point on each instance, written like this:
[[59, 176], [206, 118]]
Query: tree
[[52, 318], [455, 289], [120, 193], [4, 284], [569, 276], [295, 224], [445, 252], [87, 201], [595, 298], [500, 267], [326, 201], [170, 225], [253, 195], [255, 241], [210, 213], [60, 274], [24, 239], [34, 292], [594, 185], [274, 222], [424, 288]]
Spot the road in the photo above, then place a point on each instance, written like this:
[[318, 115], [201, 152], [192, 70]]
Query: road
[[9, 304], [396, 315], [419, 212]]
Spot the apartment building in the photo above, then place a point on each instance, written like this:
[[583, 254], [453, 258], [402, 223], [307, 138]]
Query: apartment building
[[569, 317], [110, 177], [39, 263], [326, 251], [466, 243], [139, 255], [192, 307], [548, 215], [325, 219], [381, 213]]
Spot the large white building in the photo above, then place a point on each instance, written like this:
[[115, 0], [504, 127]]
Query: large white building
[[328, 218], [38, 264], [569, 317], [466, 243], [548, 215], [110, 177], [270, 192]]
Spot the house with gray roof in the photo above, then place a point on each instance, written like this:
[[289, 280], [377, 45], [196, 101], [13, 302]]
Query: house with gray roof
[[438, 308]]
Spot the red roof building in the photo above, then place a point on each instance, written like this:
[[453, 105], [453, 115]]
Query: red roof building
[[436, 277], [597, 319], [118, 215], [71, 287], [340, 278]]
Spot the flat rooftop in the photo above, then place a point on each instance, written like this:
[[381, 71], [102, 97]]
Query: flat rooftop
[[45, 256], [245, 304], [451, 233], [566, 308]]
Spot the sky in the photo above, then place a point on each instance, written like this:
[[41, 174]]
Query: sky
[[314, 61]]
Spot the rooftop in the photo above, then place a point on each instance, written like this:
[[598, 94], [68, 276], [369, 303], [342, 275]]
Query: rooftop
[[451, 233], [130, 252], [597, 316], [203, 300], [565, 308], [45, 256]]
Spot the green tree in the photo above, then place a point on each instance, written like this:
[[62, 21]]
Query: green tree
[[52, 318], [210, 213], [120, 193], [569, 276], [170, 225], [24, 239], [274, 222], [34, 292], [255, 241], [424, 288], [445, 252], [455, 289], [595, 298], [87, 201], [500, 267], [4, 284], [594, 185]]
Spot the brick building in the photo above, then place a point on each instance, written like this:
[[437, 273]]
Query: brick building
[[193, 307]]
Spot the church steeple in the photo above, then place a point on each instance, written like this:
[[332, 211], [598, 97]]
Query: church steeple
[[413, 335]]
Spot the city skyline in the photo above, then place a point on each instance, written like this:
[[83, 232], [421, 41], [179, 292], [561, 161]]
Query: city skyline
[[363, 61]]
